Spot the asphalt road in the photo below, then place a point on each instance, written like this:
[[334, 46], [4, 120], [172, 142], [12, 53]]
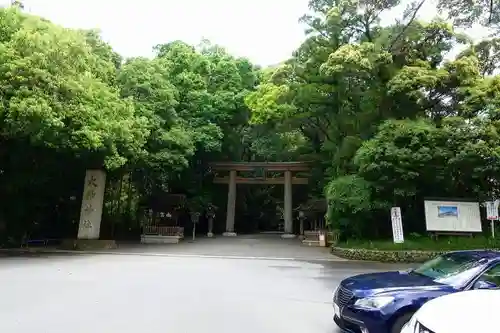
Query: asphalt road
[[147, 294]]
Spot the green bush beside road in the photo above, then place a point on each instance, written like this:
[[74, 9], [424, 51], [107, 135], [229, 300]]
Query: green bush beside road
[[412, 250], [384, 256]]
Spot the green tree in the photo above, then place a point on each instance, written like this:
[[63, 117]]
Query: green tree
[[59, 114], [374, 101], [53, 94]]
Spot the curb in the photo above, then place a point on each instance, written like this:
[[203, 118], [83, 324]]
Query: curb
[[172, 255]]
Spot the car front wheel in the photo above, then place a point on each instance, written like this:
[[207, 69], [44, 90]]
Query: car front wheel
[[400, 322]]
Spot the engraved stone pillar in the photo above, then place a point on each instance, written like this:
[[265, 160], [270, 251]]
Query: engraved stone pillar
[[92, 202], [231, 205], [288, 214]]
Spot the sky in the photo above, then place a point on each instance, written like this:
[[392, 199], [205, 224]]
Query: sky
[[265, 31]]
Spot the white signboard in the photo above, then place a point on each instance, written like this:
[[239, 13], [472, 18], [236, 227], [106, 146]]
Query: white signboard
[[92, 201], [492, 210], [492, 214], [452, 216], [397, 225]]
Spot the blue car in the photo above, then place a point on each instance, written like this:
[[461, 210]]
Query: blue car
[[384, 302]]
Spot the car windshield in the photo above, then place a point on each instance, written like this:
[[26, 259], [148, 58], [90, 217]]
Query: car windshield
[[453, 268]]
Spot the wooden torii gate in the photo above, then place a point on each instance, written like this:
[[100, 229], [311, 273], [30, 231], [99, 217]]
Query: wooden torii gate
[[288, 179]]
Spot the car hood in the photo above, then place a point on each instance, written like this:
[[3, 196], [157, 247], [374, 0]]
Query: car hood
[[375, 283], [463, 312]]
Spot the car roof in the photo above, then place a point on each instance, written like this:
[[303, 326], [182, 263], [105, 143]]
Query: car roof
[[481, 254]]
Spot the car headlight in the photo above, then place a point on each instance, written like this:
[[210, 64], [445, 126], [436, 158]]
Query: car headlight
[[375, 302]]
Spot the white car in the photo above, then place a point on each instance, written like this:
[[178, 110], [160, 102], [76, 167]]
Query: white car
[[464, 312]]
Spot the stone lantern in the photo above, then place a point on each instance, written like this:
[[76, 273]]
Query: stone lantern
[[210, 217], [195, 217], [302, 217]]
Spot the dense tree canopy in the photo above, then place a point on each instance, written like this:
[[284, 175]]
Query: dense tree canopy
[[390, 118], [385, 114]]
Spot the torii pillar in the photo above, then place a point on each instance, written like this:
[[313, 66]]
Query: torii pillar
[[288, 203], [231, 205]]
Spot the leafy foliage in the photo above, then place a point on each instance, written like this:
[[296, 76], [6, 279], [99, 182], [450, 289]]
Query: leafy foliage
[[54, 95], [390, 117], [387, 115]]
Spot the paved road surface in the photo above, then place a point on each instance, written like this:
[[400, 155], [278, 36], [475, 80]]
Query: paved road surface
[[150, 294], [260, 245]]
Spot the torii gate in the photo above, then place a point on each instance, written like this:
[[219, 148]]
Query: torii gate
[[287, 168]]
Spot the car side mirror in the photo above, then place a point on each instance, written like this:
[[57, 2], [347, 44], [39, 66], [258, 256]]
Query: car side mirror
[[480, 284]]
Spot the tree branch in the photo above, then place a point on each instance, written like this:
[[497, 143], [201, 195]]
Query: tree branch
[[412, 18], [490, 18]]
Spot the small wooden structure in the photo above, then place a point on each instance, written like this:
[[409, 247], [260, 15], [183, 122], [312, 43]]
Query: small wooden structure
[[270, 173], [160, 223], [314, 211]]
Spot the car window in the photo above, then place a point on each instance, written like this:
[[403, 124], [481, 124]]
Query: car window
[[492, 275], [447, 265], [455, 269]]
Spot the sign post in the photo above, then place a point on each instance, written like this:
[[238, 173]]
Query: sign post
[[492, 214], [397, 225]]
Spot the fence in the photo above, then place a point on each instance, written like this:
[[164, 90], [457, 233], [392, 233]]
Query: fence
[[163, 230]]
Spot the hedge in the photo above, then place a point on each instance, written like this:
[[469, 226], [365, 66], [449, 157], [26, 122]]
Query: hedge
[[385, 256]]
